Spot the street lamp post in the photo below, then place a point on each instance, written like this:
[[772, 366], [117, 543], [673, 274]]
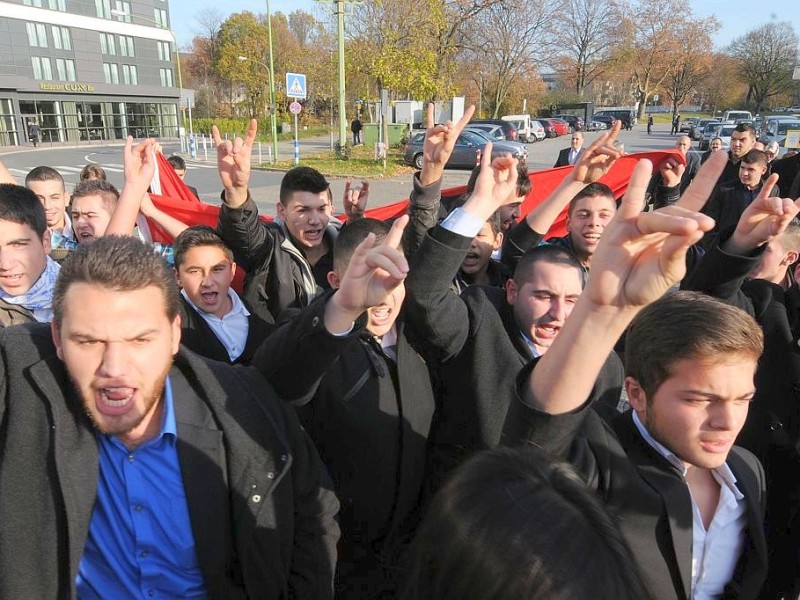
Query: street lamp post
[[272, 111], [120, 13], [340, 45]]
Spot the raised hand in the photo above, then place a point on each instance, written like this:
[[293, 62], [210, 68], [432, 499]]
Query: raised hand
[[763, 220], [496, 185], [672, 171], [439, 143], [233, 163], [373, 273], [355, 199], [598, 158], [139, 164]]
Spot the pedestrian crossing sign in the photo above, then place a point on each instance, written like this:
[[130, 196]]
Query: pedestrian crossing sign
[[295, 85]]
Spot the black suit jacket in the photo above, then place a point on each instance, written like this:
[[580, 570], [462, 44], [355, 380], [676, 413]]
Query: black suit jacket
[[260, 504], [563, 157], [646, 492], [197, 335]]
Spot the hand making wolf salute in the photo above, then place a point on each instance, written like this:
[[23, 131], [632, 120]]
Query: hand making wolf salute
[[287, 263], [691, 504]]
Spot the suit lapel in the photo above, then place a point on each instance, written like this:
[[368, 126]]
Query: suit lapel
[[671, 487], [75, 452], [202, 458]]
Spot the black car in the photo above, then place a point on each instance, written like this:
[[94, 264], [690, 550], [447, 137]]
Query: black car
[[509, 129], [609, 121]]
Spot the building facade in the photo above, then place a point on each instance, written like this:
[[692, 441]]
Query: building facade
[[86, 70]]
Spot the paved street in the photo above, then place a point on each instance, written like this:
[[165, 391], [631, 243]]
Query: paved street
[[265, 185]]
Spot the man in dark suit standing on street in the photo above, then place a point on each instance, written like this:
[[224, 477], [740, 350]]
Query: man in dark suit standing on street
[[569, 156]]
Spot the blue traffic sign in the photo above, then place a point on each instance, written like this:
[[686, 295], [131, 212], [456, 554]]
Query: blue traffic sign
[[295, 85]]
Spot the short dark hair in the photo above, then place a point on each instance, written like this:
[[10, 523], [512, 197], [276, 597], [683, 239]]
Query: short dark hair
[[92, 171], [591, 191], [118, 263], [686, 326], [511, 523], [177, 162], [548, 253], [97, 187], [43, 174], [524, 185], [302, 179], [20, 205], [755, 157], [745, 128], [351, 236], [196, 236]]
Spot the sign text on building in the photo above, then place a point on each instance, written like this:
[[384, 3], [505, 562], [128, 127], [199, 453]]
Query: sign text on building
[[66, 87]]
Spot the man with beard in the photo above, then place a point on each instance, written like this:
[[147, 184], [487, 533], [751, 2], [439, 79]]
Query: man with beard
[[130, 467]]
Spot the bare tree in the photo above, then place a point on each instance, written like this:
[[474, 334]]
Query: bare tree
[[521, 41], [766, 56], [693, 61], [587, 33]]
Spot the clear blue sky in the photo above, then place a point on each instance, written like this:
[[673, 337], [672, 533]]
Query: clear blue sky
[[736, 16]]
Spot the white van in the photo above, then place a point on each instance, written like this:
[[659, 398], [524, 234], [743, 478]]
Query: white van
[[527, 129], [737, 115]]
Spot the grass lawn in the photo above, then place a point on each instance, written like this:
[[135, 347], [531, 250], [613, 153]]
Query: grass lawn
[[666, 118], [361, 163]]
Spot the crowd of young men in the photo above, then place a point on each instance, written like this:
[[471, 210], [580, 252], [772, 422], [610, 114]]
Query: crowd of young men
[[163, 436]]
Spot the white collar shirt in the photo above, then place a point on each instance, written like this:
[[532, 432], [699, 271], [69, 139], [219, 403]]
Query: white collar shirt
[[716, 550], [232, 328]]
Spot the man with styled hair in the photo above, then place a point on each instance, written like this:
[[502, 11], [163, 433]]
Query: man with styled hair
[[215, 321], [154, 472], [689, 502], [27, 273], [48, 185]]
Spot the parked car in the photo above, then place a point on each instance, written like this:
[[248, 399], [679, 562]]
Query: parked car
[[794, 109], [466, 152], [528, 130], [593, 125], [519, 149], [574, 121], [493, 131], [709, 133], [508, 128], [549, 127], [697, 130], [687, 124], [725, 132], [772, 122], [607, 120], [627, 116], [562, 127], [779, 131]]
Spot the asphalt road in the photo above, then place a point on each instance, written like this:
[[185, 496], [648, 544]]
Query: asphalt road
[[265, 185]]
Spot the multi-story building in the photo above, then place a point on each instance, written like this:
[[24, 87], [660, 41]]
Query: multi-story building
[[86, 70]]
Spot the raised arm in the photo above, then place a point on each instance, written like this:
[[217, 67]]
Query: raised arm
[[640, 256], [233, 164], [139, 163], [355, 200], [423, 208], [439, 316]]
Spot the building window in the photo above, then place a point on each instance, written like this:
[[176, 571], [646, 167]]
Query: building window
[[161, 17], [65, 67], [166, 77], [130, 75], [126, 46], [42, 69], [57, 5], [164, 51], [36, 3], [103, 8], [107, 44], [61, 38], [111, 72], [37, 35], [122, 11]]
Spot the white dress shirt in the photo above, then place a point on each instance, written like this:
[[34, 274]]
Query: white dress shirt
[[232, 328], [716, 550]]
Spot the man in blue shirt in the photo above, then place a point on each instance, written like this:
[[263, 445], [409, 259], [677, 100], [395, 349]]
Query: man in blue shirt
[[156, 473]]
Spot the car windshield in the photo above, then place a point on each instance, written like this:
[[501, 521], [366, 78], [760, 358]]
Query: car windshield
[[787, 126], [476, 137], [418, 139], [726, 131]]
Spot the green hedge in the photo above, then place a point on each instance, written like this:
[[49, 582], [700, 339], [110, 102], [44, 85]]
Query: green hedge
[[239, 127]]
